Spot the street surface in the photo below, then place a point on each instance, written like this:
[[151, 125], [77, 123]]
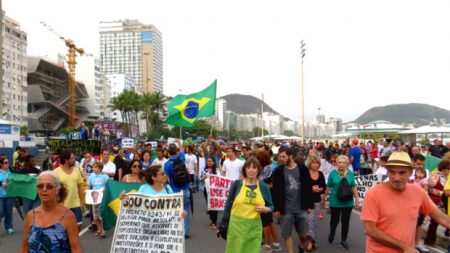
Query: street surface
[[202, 237]]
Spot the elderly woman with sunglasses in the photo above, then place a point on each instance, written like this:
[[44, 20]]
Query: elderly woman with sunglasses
[[50, 227], [6, 203]]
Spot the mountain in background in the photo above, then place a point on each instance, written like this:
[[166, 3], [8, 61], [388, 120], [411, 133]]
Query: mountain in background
[[418, 114], [245, 104]]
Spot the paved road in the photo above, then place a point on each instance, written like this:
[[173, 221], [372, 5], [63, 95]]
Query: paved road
[[202, 239]]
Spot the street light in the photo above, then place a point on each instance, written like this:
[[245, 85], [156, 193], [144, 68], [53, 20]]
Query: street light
[[303, 53]]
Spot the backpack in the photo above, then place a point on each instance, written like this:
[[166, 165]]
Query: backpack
[[180, 173], [344, 192]]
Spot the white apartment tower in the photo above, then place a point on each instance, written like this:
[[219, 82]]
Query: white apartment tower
[[97, 85], [14, 94], [130, 47], [221, 109], [119, 83]]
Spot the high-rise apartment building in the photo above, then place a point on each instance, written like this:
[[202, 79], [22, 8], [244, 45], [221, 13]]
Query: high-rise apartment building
[[119, 83], [14, 95], [97, 85], [130, 47]]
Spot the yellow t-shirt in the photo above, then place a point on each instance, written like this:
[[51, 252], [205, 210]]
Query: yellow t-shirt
[[70, 182], [447, 187]]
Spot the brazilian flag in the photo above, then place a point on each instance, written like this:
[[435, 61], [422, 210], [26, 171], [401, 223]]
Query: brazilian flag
[[185, 109], [111, 202], [431, 163]]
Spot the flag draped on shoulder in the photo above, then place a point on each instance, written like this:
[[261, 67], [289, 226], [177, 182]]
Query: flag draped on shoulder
[[111, 202], [22, 185], [185, 109]]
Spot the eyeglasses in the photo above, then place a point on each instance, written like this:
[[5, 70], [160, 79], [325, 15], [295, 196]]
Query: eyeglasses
[[135, 166], [46, 186], [333, 161], [5, 162]]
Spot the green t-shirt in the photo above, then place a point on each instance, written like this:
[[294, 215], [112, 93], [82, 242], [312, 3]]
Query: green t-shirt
[[153, 155], [333, 182]]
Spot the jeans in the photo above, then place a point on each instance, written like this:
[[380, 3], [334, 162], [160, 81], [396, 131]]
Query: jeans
[[29, 204], [342, 213], [187, 208], [6, 208]]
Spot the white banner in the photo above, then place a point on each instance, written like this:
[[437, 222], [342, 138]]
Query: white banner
[[127, 143], [150, 224], [217, 188], [364, 183]]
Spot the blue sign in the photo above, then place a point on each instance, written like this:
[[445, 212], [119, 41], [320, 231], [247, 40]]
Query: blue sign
[[5, 129], [146, 37]]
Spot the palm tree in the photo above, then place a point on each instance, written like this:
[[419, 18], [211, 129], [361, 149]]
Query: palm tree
[[154, 107], [122, 103]]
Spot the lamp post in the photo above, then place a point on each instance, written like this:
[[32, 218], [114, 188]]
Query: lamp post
[[302, 53]]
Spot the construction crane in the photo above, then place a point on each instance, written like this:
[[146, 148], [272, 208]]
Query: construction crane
[[71, 63]]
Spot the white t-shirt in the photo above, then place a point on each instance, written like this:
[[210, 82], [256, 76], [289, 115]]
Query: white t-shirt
[[160, 162], [109, 167], [191, 161], [233, 168], [201, 163], [88, 167], [381, 171]]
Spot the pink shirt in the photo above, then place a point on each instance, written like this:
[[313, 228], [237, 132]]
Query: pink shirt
[[395, 213]]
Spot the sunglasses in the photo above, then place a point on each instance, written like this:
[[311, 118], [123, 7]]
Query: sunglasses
[[46, 186], [135, 166], [333, 161], [5, 162]]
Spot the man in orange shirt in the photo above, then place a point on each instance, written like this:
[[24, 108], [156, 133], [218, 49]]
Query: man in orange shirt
[[390, 209]]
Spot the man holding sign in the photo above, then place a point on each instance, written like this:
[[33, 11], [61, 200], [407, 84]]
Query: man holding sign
[[390, 209]]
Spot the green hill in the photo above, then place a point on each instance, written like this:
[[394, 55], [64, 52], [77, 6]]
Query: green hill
[[245, 104], [418, 114]]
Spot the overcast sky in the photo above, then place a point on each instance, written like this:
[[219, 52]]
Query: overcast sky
[[359, 54]]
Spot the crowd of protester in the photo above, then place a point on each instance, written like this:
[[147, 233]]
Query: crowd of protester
[[287, 181]]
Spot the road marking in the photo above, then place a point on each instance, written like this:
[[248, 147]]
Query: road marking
[[82, 232]]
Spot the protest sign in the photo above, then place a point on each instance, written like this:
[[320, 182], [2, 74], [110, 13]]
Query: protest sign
[[217, 188], [94, 197], [150, 224], [365, 182], [78, 146], [127, 142]]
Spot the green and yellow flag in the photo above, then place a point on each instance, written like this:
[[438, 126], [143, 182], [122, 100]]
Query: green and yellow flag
[[431, 163], [185, 109], [111, 202], [22, 185]]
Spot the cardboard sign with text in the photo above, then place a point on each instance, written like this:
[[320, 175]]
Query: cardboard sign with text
[[150, 224], [364, 183], [217, 188]]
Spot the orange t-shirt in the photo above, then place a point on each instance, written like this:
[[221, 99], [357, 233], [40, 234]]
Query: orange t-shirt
[[395, 213]]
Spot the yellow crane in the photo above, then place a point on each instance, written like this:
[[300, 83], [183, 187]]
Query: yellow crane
[[71, 63]]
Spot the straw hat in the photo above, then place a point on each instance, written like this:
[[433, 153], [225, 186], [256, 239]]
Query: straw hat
[[400, 159]]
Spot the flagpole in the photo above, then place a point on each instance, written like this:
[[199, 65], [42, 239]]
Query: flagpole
[[181, 135]]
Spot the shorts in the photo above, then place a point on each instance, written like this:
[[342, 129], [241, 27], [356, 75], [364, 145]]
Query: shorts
[[266, 219], [78, 215], [96, 212], [296, 220]]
